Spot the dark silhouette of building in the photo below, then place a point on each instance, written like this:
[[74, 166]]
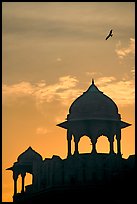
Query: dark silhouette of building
[[88, 177]]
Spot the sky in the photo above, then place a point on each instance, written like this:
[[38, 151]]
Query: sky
[[50, 53]]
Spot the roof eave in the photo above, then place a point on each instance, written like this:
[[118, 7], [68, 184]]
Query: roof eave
[[65, 124]]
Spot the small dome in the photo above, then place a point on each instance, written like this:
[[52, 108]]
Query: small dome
[[93, 104], [29, 156]]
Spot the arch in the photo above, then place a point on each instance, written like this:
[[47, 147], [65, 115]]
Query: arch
[[103, 145], [85, 145], [28, 180], [25, 179], [72, 145], [19, 184], [115, 144]]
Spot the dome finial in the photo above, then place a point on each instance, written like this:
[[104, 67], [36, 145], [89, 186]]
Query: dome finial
[[93, 87]]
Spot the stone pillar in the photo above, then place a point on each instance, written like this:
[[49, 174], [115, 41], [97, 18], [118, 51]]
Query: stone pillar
[[69, 138], [23, 174], [76, 140], [15, 186], [94, 141], [94, 148], [111, 140], [118, 138], [15, 177]]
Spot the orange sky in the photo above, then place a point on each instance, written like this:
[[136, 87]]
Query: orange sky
[[50, 53]]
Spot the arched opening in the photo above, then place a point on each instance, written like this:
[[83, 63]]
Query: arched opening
[[19, 184], [115, 145], [72, 145], [103, 145], [28, 181], [85, 145]]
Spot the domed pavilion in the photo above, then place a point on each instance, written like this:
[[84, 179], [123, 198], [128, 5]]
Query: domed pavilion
[[93, 114], [26, 162]]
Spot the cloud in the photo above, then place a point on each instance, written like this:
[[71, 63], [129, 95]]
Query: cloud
[[92, 74], [60, 91], [64, 20], [23, 88], [123, 52], [66, 90], [133, 71], [105, 80], [122, 92], [11, 93], [41, 131], [59, 59]]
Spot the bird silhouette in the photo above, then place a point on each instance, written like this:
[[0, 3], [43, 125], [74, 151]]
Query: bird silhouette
[[110, 34]]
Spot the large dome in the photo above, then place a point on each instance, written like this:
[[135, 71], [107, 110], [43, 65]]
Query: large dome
[[93, 104]]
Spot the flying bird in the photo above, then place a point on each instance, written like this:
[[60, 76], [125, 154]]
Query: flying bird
[[110, 34]]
